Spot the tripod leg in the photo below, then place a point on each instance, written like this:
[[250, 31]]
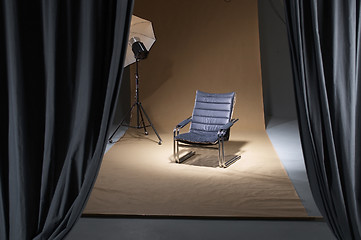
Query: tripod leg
[[120, 124], [142, 120], [160, 140]]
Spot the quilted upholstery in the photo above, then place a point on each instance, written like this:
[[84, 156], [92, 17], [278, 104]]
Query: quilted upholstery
[[196, 137], [211, 111]]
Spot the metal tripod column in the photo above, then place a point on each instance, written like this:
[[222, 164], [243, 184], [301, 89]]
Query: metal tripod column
[[140, 110]]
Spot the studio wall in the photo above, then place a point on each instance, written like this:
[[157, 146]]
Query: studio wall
[[208, 45], [278, 91]]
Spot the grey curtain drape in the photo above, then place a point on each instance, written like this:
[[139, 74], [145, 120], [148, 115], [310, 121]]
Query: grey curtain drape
[[60, 69], [324, 37]]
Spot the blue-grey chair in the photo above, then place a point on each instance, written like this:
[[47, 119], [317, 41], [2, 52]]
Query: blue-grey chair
[[210, 125]]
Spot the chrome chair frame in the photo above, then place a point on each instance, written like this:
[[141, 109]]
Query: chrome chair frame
[[222, 132]]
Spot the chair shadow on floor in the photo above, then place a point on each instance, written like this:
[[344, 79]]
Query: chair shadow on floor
[[207, 156]]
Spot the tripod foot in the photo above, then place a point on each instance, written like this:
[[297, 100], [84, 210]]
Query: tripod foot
[[110, 140], [146, 133], [160, 143]]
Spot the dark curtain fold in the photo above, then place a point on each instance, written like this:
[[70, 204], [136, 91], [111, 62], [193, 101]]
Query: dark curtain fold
[[60, 70], [324, 37]]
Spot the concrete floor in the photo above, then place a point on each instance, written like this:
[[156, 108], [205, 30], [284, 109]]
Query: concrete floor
[[284, 136], [136, 229]]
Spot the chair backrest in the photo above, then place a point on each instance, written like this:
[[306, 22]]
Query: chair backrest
[[211, 111]]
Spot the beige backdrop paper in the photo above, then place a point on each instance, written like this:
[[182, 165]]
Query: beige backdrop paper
[[210, 45], [139, 177]]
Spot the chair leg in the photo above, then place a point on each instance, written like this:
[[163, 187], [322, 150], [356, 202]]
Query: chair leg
[[176, 157], [186, 156], [220, 152], [175, 147], [221, 159]]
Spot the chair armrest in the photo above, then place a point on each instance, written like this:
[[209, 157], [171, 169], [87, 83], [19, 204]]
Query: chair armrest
[[184, 123], [229, 124], [222, 131]]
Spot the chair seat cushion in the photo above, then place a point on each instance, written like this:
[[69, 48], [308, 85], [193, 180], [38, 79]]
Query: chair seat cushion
[[198, 137]]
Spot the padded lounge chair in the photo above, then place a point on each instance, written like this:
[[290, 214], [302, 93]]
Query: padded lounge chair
[[210, 125]]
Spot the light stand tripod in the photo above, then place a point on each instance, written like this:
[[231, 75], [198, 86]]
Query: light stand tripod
[[140, 110]]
